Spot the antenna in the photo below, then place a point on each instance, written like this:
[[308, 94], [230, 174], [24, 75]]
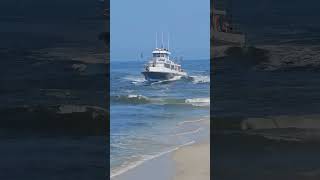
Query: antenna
[[156, 39], [168, 40], [162, 40]]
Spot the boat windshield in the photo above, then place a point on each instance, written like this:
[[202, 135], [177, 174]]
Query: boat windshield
[[160, 55]]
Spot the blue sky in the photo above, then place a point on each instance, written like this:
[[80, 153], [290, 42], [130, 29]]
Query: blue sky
[[134, 24]]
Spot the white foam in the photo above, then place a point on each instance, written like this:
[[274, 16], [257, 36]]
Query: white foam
[[200, 79], [119, 134], [194, 121], [135, 79], [79, 67], [287, 56], [67, 109], [189, 132], [198, 102], [175, 78], [136, 96], [123, 146], [145, 158]]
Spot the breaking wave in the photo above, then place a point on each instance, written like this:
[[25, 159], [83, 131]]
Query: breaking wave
[[198, 101], [290, 57], [79, 67], [140, 99], [131, 99], [285, 128], [69, 119], [282, 122], [275, 57]]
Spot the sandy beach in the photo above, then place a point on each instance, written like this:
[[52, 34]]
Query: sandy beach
[[187, 162], [193, 162]]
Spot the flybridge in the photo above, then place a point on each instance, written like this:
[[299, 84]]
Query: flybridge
[[160, 51]]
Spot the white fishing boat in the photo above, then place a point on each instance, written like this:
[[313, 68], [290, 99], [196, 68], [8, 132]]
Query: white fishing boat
[[161, 66]]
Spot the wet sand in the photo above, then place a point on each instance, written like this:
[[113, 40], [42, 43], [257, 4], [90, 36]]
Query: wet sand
[[193, 162], [160, 168]]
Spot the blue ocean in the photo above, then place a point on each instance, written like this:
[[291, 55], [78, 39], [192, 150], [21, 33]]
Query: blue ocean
[[266, 96], [150, 119]]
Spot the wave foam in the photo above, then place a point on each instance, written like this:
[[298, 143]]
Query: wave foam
[[79, 67], [291, 56], [200, 79], [135, 79], [189, 132], [131, 99], [278, 122], [140, 99], [198, 101], [175, 78], [194, 121], [67, 109]]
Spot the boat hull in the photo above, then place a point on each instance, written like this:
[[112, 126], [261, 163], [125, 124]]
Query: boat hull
[[158, 76]]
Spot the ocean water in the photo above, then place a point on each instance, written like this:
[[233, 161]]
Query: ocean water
[[150, 119], [265, 112], [52, 90]]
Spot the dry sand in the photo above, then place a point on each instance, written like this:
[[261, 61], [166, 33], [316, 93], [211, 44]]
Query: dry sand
[[193, 162]]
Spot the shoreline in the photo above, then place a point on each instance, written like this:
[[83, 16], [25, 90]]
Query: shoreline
[[159, 168], [189, 162], [161, 158], [176, 163]]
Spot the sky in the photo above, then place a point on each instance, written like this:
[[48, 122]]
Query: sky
[[134, 24]]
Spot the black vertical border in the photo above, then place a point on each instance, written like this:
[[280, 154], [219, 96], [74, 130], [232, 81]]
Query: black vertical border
[[212, 72], [107, 75]]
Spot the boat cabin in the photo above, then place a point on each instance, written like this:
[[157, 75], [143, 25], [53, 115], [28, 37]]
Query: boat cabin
[[160, 58]]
